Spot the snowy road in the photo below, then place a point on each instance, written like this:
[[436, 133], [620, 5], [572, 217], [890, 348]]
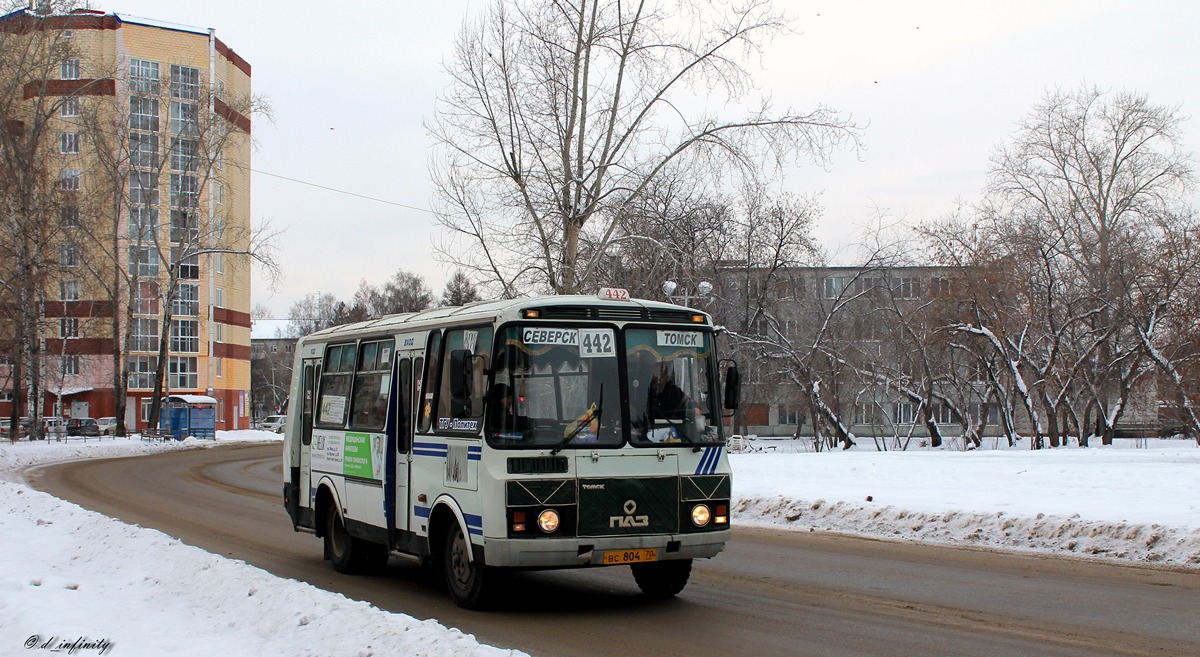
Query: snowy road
[[771, 593]]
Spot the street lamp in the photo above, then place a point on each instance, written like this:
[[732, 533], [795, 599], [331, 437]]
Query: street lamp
[[684, 298]]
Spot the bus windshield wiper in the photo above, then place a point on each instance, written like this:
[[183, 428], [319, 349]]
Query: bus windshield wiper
[[593, 414]]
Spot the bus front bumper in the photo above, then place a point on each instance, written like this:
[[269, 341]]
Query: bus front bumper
[[600, 551]]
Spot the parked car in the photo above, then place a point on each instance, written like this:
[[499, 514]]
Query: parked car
[[108, 425], [273, 423], [83, 426]]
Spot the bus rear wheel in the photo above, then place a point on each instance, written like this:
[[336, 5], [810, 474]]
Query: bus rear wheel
[[348, 554], [465, 578], [662, 579]]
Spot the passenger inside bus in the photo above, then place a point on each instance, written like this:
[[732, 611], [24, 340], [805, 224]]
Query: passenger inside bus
[[665, 399]]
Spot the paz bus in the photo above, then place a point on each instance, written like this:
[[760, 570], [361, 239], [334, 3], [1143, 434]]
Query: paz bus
[[547, 432]]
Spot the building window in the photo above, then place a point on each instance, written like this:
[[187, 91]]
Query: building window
[[833, 286], [68, 254], [143, 188], [906, 288], [68, 179], [141, 377], [184, 119], [143, 113], [220, 265], [185, 226], [185, 154], [219, 193], [220, 367], [143, 77], [189, 266], [185, 82], [867, 413], [69, 69], [185, 336], [70, 365], [143, 150], [906, 413], [143, 334], [185, 190], [219, 297], [143, 261], [145, 301], [143, 224], [68, 143], [68, 327], [70, 107], [182, 372], [68, 216], [187, 304], [218, 332], [68, 290], [940, 288], [789, 414]]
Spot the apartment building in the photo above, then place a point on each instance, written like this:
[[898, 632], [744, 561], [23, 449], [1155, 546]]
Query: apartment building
[[151, 138]]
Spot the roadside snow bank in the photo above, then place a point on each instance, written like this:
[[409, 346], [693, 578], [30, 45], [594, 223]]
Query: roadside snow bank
[[71, 575], [1139, 505]]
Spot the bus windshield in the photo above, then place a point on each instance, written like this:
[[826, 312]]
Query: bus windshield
[[562, 387], [555, 387], [670, 381]]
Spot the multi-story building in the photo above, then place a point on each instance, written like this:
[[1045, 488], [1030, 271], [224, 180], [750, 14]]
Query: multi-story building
[[877, 340], [151, 135]]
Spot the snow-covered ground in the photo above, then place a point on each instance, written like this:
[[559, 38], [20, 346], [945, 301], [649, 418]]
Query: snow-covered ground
[[69, 576]]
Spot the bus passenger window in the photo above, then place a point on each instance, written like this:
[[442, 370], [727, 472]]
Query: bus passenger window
[[372, 383]]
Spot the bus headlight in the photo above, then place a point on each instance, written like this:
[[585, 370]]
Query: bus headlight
[[701, 515], [548, 521]]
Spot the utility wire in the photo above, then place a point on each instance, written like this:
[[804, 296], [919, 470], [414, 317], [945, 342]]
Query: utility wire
[[342, 191]]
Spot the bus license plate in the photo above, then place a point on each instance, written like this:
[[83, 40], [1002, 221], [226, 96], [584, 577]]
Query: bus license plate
[[618, 557]]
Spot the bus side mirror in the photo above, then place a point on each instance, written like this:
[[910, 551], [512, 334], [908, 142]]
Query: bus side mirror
[[465, 398], [460, 382], [733, 387]]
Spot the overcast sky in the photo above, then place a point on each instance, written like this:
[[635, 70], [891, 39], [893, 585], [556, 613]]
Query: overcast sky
[[938, 84]]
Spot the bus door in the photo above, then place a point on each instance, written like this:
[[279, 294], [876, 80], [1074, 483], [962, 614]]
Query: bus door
[[312, 373], [400, 440]]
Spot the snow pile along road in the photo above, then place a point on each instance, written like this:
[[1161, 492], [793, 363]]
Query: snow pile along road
[[1132, 505], [72, 576]]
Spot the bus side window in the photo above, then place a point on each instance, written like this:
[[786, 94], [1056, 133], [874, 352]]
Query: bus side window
[[372, 384], [335, 385], [425, 392], [478, 343], [404, 406]]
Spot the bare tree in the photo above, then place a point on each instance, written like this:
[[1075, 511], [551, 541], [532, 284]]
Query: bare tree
[[1097, 176], [562, 114]]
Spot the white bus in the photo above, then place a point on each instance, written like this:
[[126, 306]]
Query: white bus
[[550, 432]]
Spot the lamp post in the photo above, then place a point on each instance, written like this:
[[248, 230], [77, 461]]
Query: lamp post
[[684, 298]]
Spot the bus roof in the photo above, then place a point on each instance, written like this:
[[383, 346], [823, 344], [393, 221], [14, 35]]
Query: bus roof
[[630, 310]]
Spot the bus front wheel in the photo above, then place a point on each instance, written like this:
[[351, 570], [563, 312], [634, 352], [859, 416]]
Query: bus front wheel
[[662, 579], [465, 578]]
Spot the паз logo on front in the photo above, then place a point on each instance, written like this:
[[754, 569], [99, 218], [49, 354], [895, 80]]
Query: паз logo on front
[[629, 520]]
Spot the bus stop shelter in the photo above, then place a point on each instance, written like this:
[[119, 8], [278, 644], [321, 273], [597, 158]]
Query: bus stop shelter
[[192, 415]]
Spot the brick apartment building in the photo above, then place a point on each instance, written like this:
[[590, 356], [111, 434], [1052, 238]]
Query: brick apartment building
[[175, 100]]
